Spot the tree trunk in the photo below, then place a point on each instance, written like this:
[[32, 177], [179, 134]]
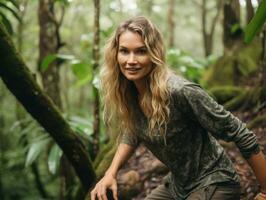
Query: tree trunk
[[49, 44], [206, 39], [96, 58], [21, 83], [2, 123], [250, 11], [208, 35], [20, 113], [171, 23], [263, 67], [20, 27], [231, 18]]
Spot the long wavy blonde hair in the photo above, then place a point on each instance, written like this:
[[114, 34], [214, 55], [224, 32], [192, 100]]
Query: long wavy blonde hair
[[120, 95]]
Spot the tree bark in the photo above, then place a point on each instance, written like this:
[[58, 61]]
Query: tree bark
[[208, 35], [49, 44], [263, 67], [171, 23], [20, 114], [96, 58], [21, 83], [2, 123], [231, 18], [250, 11]]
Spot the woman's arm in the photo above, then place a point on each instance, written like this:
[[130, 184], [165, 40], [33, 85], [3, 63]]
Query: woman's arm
[[123, 152], [258, 164]]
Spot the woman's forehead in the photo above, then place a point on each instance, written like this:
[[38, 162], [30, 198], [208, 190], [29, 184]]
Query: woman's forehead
[[130, 38]]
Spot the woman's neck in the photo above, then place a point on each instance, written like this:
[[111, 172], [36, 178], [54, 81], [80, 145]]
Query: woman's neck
[[141, 87]]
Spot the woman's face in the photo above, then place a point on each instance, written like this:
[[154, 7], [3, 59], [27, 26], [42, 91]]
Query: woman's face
[[133, 58]]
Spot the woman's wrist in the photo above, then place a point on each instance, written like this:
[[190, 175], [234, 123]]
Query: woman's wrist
[[262, 195], [110, 173], [263, 192]]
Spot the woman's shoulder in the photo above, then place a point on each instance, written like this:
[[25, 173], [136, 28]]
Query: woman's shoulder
[[177, 83]]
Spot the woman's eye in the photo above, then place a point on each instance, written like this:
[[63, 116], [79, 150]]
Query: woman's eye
[[123, 51], [142, 51]]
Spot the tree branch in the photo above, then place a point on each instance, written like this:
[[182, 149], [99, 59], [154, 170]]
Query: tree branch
[[21, 83]]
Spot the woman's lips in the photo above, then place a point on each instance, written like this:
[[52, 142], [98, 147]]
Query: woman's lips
[[133, 69]]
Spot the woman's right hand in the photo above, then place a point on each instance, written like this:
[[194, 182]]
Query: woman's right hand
[[100, 189]]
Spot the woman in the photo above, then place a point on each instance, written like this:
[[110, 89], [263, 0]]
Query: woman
[[174, 118]]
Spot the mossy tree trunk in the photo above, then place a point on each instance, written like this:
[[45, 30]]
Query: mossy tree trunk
[[21, 83], [49, 44], [230, 24], [263, 67], [2, 124], [96, 58], [20, 113]]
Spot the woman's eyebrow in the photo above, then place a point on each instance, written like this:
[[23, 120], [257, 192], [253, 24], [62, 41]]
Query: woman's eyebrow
[[140, 47]]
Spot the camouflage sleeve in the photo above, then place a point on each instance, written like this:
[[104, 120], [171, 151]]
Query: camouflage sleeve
[[130, 140], [218, 121]]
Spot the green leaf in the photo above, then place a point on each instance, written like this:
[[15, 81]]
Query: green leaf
[[36, 148], [235, 28], [54, 158], [83, 72], [6, 7], [96, 82], [65, 57], [47, 61], [256, 23], [6, 23], [82, 125]]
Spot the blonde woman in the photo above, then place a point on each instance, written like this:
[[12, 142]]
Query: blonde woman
[[174, 118]]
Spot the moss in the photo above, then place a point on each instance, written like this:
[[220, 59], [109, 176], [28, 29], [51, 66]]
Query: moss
[[246, 100], [233, 65], [103, 151], [218, 74], [225, 93], [259, 121], [236, 102], [105, 162]]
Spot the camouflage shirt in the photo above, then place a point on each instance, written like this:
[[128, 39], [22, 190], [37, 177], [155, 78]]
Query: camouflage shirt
[[190, 150]]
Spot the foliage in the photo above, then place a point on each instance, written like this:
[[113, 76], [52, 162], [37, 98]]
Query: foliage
[[256, 23], [8, 6], [76, 79], [183, 63], [82, 70]]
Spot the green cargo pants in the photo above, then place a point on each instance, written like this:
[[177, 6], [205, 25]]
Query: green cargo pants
[[211, 192]]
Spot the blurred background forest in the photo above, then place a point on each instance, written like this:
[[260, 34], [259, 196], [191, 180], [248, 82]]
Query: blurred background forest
[[62, 43]]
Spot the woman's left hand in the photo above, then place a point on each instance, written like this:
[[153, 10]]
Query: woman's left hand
[[260, 196]]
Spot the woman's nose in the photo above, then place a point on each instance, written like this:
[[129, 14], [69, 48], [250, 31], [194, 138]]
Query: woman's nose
[[132, 59]]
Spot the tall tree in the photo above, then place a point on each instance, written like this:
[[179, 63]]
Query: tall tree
[[22, 84], [20, 113], [96, 58], [171, 22], [209, 34], [263, 67], [2, 139], [231, 23], [49, 44]]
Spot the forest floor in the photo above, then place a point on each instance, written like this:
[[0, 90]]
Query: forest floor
[[144, 168]]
